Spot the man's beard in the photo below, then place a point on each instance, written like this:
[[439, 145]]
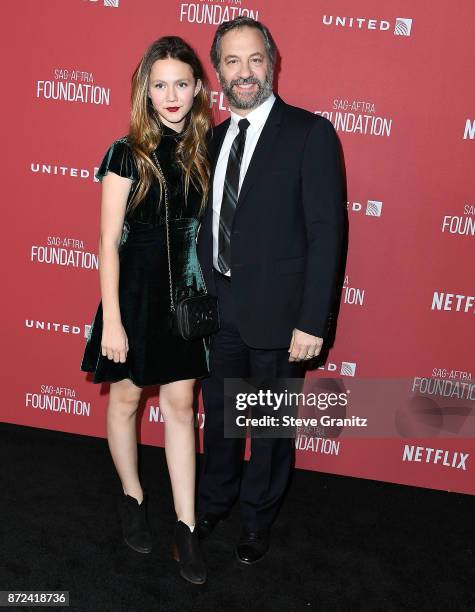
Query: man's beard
[[264, 90]]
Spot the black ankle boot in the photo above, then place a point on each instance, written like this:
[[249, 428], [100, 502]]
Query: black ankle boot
[[186, 550], [135, 527]]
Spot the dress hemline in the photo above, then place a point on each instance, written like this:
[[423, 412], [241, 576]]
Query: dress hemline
[[143, 385]]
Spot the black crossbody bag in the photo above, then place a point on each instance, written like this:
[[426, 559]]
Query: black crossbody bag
[[191, 317]]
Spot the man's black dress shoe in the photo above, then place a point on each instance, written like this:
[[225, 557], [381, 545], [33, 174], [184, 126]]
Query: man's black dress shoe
[[252, 545], [206, 523]]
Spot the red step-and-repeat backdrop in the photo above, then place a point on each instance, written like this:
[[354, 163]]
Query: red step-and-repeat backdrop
[[395, 79]]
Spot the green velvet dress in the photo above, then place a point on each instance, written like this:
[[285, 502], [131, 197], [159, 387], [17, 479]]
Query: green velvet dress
[[155, 355]]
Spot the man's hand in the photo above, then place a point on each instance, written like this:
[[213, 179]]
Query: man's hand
[[304, 346]]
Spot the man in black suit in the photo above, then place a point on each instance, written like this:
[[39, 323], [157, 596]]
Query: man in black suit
[[269, 247]]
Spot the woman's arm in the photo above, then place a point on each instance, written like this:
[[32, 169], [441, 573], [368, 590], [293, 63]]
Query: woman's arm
[[115, 190]]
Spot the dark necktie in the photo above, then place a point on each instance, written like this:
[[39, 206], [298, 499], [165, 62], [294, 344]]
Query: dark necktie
[[230, 197]]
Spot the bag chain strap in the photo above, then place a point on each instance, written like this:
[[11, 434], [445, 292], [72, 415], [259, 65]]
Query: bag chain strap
[[165, 189]]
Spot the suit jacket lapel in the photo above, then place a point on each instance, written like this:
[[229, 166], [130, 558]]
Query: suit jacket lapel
[[215, 145], [264, 148], [214, 151]]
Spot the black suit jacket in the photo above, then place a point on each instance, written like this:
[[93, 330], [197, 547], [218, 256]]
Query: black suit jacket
[[287, 230]]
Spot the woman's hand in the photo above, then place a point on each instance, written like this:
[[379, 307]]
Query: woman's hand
[[115, 344]]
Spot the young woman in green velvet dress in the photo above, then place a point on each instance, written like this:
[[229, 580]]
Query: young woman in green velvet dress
[[130, 343]]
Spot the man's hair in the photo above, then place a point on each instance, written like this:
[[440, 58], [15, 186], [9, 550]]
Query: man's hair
[[242, 22]]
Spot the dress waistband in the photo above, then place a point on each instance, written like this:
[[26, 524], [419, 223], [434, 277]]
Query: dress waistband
[[182, 230], [143, 226]]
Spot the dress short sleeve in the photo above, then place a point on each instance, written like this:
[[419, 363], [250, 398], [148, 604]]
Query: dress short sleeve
[[118, 159]]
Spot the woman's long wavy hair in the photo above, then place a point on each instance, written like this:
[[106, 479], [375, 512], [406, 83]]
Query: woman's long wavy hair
[[145, 126]]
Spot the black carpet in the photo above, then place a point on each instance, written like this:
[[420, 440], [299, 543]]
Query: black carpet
[[339, 543]]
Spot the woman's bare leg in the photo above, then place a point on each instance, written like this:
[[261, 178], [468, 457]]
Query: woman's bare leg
[[122, 434], [176, 405]]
